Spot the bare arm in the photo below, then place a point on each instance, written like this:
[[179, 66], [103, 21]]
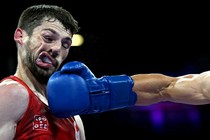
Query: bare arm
[[188, 89], [13, 103]]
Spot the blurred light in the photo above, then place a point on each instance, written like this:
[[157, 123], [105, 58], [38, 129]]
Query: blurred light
[[77, 40]]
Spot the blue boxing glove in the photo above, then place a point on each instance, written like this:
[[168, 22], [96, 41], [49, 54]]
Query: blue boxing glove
[[67, 94], [74, 90]]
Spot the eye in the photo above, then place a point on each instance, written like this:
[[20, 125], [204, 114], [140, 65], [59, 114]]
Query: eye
[[66, 43], [48, 39]]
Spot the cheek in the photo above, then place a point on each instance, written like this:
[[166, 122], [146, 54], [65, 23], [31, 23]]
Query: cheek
[[25, 40], [35, 43], [64, 55]]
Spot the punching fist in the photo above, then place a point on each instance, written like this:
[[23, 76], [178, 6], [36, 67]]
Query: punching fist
[[67, 94], [75, 90]]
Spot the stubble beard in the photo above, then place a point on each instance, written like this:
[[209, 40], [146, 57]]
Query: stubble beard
[[42, 75]]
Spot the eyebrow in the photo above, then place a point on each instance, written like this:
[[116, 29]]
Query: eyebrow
[[54, 32]]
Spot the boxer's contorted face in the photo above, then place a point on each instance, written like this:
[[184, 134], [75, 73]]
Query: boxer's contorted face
[[45, 49]]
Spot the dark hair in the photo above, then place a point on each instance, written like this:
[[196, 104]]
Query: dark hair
[[33, 16]]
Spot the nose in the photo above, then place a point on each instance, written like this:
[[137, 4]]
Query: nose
[[54, 54], [55, 50]]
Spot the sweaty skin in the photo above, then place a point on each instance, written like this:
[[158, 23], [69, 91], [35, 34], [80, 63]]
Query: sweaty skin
[[190, 89]]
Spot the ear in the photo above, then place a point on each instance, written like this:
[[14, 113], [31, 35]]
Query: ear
[[18, 36]]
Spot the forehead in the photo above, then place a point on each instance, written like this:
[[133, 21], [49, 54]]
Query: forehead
[[54, 25]]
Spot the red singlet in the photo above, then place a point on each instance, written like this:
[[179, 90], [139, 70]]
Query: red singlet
[[39, 124]]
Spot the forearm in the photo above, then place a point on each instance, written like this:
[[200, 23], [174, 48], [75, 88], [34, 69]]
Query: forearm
[[188, 89], [150, 88]]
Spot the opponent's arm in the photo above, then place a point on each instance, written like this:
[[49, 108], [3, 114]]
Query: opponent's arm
[[188, 89], [83, 93]]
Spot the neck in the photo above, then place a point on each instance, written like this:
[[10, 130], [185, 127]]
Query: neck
[[25, 75]]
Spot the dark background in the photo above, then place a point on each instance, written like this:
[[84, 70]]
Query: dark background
[[128, 38]]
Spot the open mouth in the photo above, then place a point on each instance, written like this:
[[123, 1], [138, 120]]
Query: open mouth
[[45, 60]]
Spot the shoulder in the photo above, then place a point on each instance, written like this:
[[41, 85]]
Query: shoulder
[[13, 99], [10, 88]]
